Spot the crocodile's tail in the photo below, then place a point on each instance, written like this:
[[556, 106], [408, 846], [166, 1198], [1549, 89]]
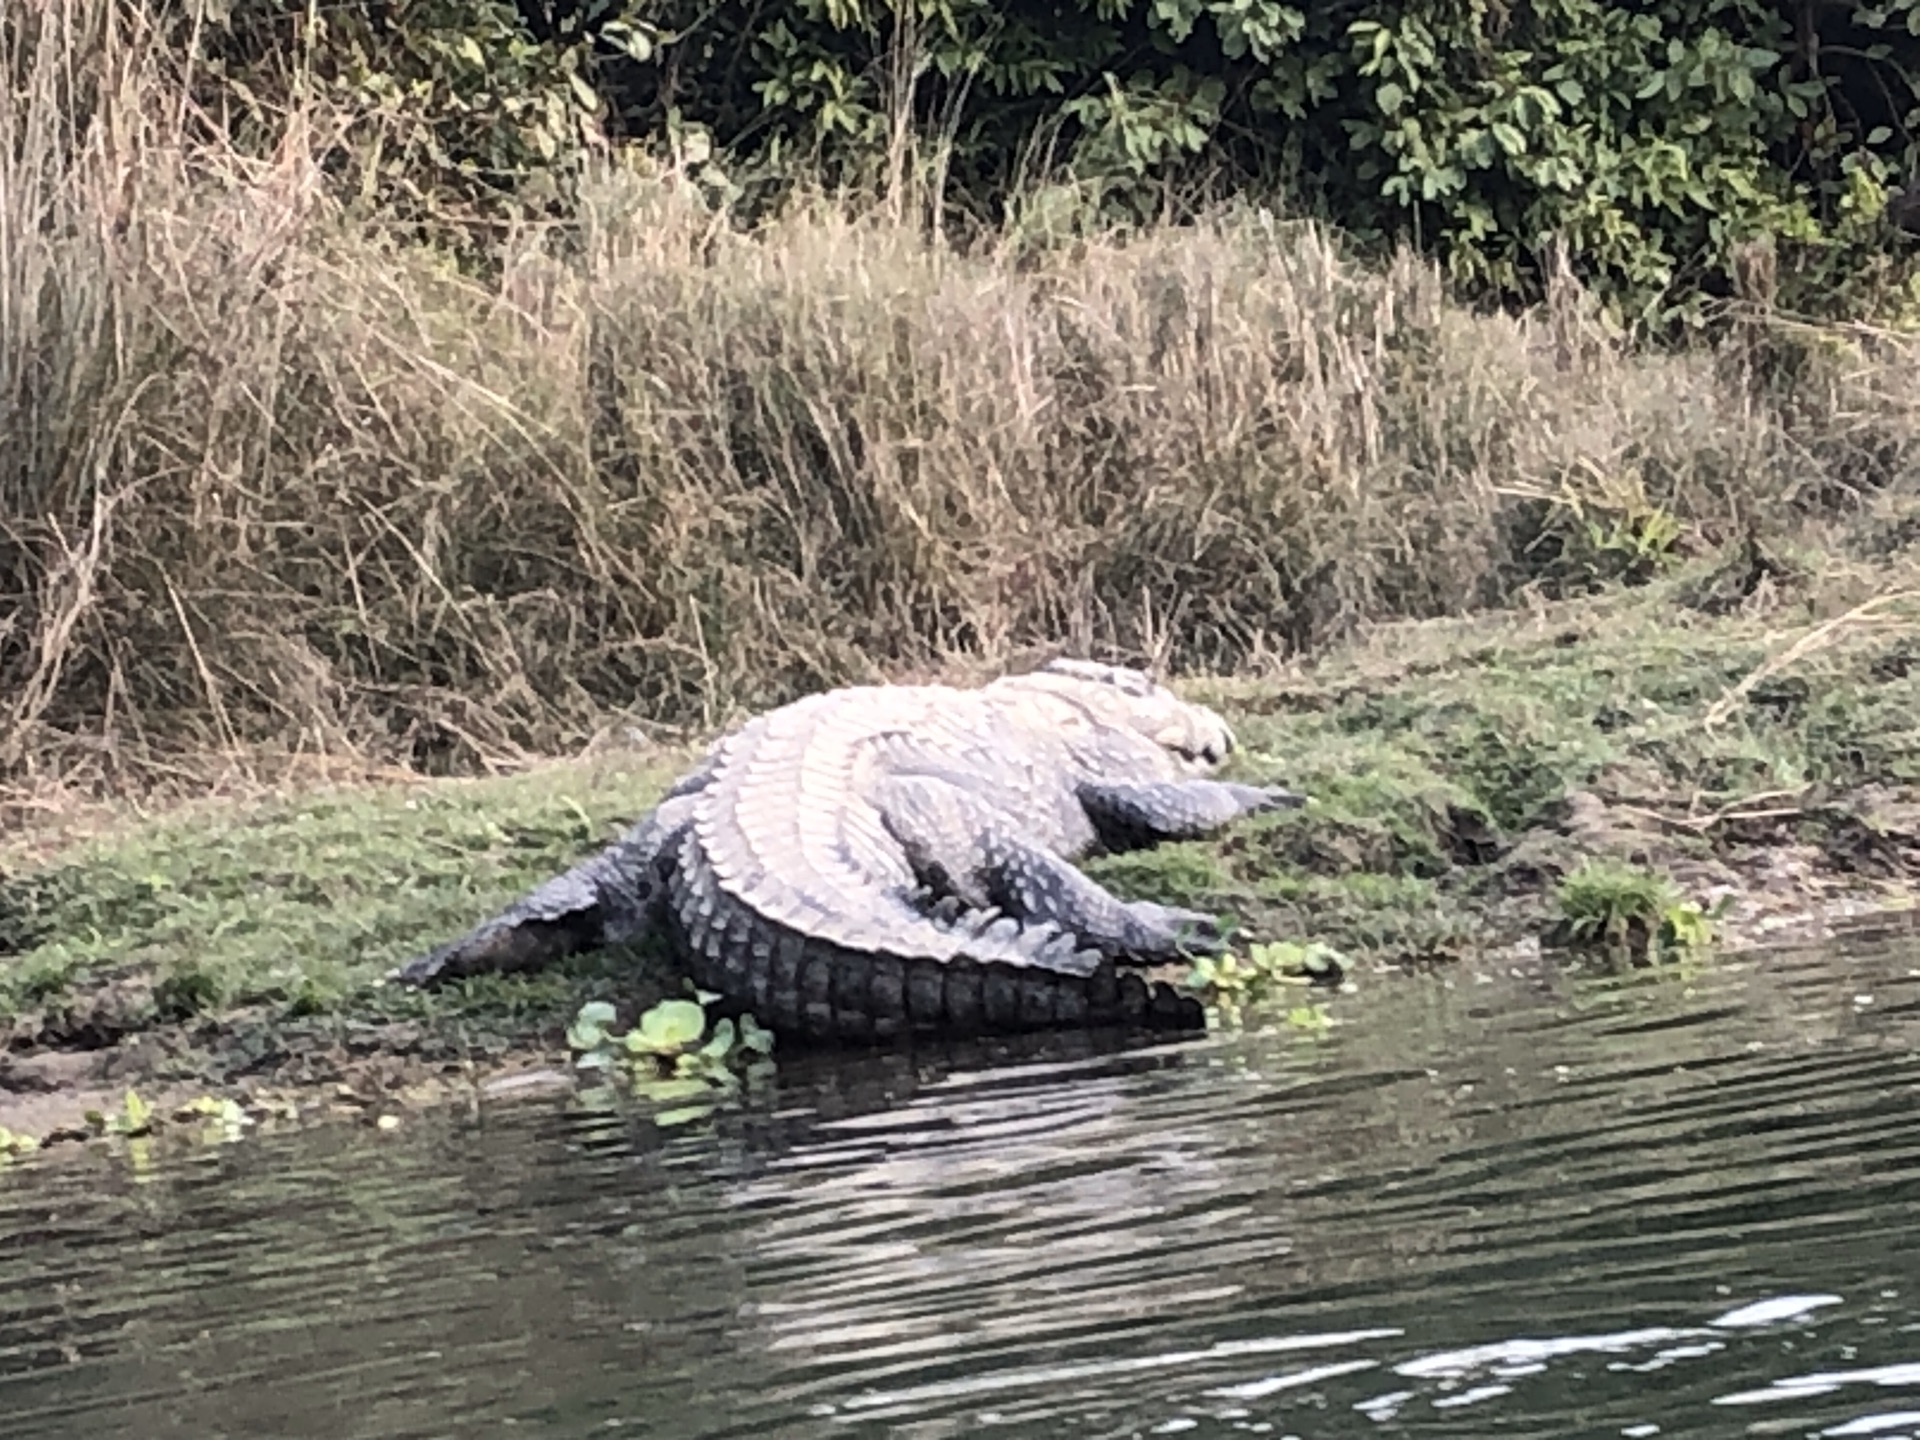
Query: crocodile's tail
[[814, 990], [603, 900], [607, 899]]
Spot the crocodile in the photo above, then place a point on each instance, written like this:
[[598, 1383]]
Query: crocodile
[[880, 861]]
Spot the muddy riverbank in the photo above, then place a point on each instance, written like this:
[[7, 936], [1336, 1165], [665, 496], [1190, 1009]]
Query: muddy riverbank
[[1726, 756]]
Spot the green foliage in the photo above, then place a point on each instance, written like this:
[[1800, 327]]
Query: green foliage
[[670, 1054], [669, 1028], [1607, 530], [1651, 143], [135, 1124], [1651, 147], [456, 101], [133, 1120], [1628, 910], [1231, 982]]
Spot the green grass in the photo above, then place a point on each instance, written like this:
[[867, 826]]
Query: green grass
[[1462, 769], [1625, 910], [298, 904], [1474, 783]]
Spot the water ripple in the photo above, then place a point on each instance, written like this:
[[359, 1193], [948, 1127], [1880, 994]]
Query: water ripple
[[1520, 1201]]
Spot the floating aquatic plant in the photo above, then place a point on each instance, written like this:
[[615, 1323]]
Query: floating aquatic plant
[[670, 1053], [1232, 981]]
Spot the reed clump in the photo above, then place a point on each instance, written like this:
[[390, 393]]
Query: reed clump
[[280, 476]]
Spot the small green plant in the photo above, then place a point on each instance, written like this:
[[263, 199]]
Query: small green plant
[[1607, 530], [133, 1119], [1637, 544], [1688, 927], [1626, 910], [1314, 1019], [221, 1120], [671, 1054], [1279, 962], [136, 1122], [1229, 982], [589, 1035]]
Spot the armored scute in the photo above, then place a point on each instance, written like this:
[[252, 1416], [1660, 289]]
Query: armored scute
[[887, 860]]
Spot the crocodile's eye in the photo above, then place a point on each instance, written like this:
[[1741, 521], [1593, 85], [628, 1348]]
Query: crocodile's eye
[[1136, 683]]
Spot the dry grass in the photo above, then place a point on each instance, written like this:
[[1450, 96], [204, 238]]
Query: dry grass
[[279, 480]]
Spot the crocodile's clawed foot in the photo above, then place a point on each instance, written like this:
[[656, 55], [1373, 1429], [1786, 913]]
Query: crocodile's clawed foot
[[1197, 932]]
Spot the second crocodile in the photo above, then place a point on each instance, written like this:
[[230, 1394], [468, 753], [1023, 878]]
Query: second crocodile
[[880, 861]]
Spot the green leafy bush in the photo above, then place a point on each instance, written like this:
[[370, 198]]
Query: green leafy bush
[[1649, 146], [1667, 151], [1630, 911]]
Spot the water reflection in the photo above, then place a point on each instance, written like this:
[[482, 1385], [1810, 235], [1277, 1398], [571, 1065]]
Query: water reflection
[[1516, 1201]]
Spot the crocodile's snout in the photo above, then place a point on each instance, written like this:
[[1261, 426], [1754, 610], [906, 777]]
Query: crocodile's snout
[[1208, 750], [1216, 743]]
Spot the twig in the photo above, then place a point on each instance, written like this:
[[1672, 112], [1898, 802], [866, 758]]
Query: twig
[[1700, 824], [1800, 649], [207, 682]]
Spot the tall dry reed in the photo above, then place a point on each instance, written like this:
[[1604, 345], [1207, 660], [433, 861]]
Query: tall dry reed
[[278, 477]]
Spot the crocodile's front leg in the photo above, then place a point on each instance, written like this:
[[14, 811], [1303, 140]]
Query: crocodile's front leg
[[1132, 815]]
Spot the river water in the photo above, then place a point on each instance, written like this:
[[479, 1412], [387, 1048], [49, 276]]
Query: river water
[[1484, 1203]]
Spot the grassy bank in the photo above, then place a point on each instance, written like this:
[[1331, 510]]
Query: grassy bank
[[1537, 612], [281, 478], [1737, 739]]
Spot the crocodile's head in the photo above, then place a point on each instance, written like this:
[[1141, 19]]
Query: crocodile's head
[[1115, 697]]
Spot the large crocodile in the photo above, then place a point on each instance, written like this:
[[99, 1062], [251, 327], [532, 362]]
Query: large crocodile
[[883, 860]]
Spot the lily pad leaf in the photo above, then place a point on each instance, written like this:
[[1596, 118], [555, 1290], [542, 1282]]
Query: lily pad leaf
[[589, 1028], [721, 1042], [755, 1038], [668, 1028]]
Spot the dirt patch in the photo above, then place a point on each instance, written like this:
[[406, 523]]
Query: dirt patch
[[353, 1073]]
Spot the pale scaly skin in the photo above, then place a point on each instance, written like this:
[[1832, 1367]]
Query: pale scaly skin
[[885, 860]]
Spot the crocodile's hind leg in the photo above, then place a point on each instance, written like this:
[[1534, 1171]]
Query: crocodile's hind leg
[[961, 850], [1131, 815], [1038, 887]]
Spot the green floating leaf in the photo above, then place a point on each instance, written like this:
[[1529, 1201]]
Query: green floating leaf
[[668, 1028], [721, 1043], [668, 1089], [1309, 1017], [754, 1038], [589, 1028]]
